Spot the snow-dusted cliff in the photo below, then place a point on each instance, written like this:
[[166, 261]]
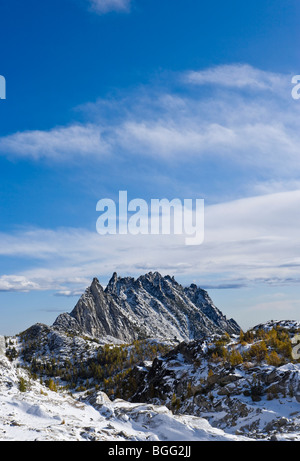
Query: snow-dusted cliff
[[151, 306]]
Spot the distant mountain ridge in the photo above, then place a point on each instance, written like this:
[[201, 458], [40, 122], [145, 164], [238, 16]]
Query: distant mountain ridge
[[151, 306]]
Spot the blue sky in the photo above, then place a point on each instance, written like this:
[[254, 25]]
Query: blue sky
[[170, 98]]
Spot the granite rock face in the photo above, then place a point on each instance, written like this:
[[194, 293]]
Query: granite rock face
[[151, 306]]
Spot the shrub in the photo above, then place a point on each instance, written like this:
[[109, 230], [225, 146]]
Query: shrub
[[23, 385], [51, 384], [235, 358], [274, 359], [258, 351], [175, 403]]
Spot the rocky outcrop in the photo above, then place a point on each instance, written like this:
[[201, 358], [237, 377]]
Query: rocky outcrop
[[98, 314], [247, 397], [151, 306]]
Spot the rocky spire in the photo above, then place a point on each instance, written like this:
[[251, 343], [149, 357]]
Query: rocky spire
[[152, 306]]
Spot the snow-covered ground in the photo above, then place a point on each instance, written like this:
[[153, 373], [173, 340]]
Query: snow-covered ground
[[38, 413], [44, 415]]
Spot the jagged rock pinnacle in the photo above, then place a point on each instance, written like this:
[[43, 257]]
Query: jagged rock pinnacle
[[153, 306]]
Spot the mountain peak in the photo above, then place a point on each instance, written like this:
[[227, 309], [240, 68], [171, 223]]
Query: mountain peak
[[151, 306], [112, 282], [95, 282]]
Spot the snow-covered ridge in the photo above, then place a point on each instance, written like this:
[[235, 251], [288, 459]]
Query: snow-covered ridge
[[189, 393], [39, 414], [290, 325]]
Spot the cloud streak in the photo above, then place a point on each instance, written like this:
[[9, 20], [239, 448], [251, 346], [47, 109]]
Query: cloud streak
[[107, 6], [247, 241], [59, 144], [17, 283], [237, 76]]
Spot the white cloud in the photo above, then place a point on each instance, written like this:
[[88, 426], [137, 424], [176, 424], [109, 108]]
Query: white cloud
[[17, 283], [247, 241], [59, 144], [237, 76], [69, 293], [106, 6], [256, 131], [167, 139]]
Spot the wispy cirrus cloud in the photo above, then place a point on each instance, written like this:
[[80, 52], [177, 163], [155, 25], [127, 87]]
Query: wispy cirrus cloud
[[237, 76], [106, 6], [58, 144]]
